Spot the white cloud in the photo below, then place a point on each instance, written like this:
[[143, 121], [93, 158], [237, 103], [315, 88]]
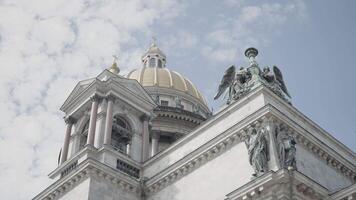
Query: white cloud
[[182, 40], [46, 47], [235, 3], [220, 54]]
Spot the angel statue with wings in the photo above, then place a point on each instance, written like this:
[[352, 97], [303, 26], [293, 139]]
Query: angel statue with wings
[[235, 82], [241, 81], [275, 80]]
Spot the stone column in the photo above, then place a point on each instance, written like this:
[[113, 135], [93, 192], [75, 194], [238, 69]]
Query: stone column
[[145, 138], [154, 141], [273, 153], [128, 149], [93, 117], [69, 121], [108, 123]]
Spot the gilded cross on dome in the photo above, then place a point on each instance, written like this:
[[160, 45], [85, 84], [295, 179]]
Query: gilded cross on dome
[[154, 41], [116, 58]]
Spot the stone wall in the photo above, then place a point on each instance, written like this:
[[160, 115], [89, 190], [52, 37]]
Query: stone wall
[[319, 171], [103, 189], [212, 180], [80, 192]]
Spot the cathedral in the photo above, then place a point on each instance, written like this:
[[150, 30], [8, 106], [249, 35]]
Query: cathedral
[[150, 135]]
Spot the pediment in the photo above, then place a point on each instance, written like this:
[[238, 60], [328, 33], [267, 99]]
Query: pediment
[[104, 83], [135, 87], [79, 88]]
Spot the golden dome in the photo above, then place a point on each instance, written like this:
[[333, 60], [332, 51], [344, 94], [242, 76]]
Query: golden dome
[[165, 78]]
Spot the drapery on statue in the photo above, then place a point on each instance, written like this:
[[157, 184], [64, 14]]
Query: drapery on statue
[[235, 81], [286, 148], [258, 150]]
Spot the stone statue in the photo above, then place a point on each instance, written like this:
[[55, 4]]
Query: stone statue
[[243, 76], [156, 99], [178, 102], [244, 80], [275, 79], [258, 150], [235, 81], [195, 108], [286, 148]]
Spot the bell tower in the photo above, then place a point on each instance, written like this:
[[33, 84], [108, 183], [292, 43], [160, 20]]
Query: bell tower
[[106, 139]]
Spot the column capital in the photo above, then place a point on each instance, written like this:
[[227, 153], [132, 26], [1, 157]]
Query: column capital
[[111, 97], [155, 135], [145, 117], [69, 120], [95, 98]]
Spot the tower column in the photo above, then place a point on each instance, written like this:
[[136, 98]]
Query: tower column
[[69, 121], [154, 146], [93, 116], [145, 138], [271, 127], [108, 123]]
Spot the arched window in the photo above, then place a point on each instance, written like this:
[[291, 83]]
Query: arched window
[[160, 63], [152, 62], [84, 135], [121, 134]]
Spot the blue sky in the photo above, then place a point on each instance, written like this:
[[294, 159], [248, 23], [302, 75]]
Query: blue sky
[[313, 45], [47, 46]]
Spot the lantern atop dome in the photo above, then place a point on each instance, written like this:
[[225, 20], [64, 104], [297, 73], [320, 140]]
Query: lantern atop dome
[[154, 57]]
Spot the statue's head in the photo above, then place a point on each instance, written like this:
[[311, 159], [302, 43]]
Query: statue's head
[[282, 126], [266, 69]]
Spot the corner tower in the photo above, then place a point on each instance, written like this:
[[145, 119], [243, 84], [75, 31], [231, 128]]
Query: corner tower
[[106, 139], [181, 106]]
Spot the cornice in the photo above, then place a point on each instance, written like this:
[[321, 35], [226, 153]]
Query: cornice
[[313, 144], [174, 92], [301, 186], [89, 168], [345, 193], [181, 116]]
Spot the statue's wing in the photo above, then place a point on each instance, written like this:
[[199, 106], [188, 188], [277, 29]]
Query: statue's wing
[[226, 81], [279, 78]]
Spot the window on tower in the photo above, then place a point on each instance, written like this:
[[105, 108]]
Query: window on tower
[[164, 103], [84, 135], [152, 62], [160, 63], [121, 134]]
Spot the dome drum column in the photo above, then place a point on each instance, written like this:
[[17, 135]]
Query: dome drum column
[[145, 138], [154, 140]]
